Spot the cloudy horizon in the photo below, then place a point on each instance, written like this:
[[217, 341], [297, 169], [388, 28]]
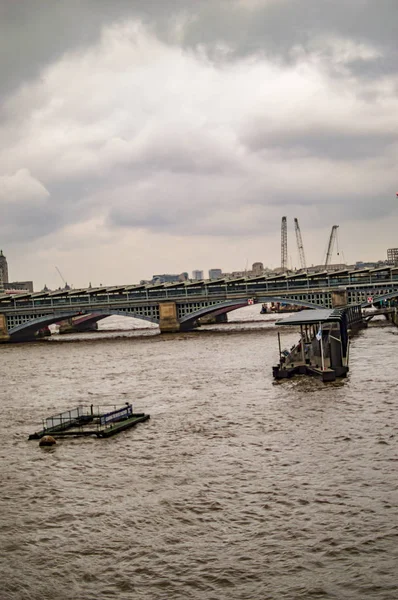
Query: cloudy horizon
[[142, 137]]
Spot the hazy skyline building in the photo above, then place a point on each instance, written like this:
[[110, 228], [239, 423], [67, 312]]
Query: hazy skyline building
[[169, 277], [6, 284], [215, 273], [3, 269], [392, 256], [197, 275], [257, 268]]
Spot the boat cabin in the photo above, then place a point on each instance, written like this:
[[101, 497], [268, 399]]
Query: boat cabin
[[323, 347]]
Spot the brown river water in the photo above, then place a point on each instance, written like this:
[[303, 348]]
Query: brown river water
[[236, 488]]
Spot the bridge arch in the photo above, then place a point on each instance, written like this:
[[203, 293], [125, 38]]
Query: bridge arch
[[387, 296], [282, 300], [231, 305], [29, 327]]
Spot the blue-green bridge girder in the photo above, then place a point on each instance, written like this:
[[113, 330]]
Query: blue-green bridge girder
[[28, 312]]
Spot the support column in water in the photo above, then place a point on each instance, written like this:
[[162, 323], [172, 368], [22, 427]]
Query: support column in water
[[339, 298], [4, 337], [168, 317]]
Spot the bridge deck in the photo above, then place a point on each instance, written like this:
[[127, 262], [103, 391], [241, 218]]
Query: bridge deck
[[193, 300]]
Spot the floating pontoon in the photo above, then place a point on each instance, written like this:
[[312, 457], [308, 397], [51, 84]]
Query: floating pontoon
[[89, 420]]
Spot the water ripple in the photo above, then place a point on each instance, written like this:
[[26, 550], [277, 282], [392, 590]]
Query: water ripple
[[236, 488]]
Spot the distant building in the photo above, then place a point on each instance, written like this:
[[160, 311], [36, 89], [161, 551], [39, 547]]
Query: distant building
[[169, 278], [10, 286], [328, 268], [215, 273], [197, 275], [335, 267], [257, 269], [19, 286], [368, 265], [3, 269], [392, 256], [164, 278]]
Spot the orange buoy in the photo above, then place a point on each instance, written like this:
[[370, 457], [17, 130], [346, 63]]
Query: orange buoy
[[47, 440]]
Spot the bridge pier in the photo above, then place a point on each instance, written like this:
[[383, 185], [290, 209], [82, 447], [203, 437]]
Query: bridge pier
[[339, 298], [4, 337], [168, 317]]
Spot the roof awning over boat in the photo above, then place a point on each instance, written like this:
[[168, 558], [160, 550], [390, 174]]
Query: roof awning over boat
[[312, 317]]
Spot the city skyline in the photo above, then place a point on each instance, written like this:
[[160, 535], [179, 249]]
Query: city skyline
[[255, 270], [142, 137]]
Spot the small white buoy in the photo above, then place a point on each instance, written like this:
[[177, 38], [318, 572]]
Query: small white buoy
[[47, 440]]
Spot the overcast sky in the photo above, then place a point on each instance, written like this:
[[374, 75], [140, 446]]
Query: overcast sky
[[150, 136]]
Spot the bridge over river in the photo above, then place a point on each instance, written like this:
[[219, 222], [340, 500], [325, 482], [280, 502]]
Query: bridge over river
[[178, 306]]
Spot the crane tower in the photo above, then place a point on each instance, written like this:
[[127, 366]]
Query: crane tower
[[66, 286], [300, 244], [284, 244], [332, 239]]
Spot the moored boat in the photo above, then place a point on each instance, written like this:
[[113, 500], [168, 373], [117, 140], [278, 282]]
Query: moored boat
[[323, 347]]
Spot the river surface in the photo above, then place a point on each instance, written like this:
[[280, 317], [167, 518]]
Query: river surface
[[236, 488]]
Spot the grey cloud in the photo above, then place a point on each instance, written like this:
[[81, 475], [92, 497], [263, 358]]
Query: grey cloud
[[324, 142], [208, 174], [25, 222], [34, 33], [379, 67], [196, 205]]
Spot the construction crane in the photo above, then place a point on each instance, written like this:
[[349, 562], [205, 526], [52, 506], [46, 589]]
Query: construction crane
[[300, 244], [66, 286], [332, 239], [284, 244]]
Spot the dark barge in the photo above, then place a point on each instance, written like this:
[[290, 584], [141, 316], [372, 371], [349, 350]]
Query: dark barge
[[323, 348], [101, 422]]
